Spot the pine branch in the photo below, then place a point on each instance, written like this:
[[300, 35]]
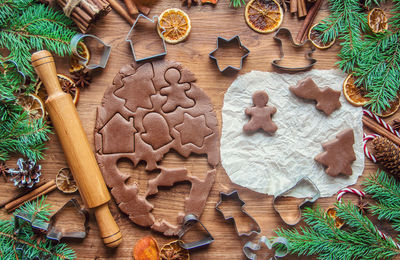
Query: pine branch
[[386, 191], [236, 3]]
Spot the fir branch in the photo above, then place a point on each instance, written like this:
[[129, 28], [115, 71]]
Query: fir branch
[[236, 3], [386, 191]]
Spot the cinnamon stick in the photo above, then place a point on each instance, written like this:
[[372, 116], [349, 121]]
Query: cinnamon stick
[[302, 34], [375, 127], [142, 8], [121, 11], [293, 6], [42, 190], [301, 8], [130, 5]]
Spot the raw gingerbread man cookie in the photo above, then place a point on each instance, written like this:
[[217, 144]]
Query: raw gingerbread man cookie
[[260, 114]]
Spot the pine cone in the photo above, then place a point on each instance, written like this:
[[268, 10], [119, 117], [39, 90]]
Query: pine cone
[[388, 155], [27, 175]]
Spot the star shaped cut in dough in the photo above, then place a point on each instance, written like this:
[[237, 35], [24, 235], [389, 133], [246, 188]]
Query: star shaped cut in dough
[[193, 130]]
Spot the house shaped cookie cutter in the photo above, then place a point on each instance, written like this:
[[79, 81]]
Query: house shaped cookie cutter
[[128, 39]]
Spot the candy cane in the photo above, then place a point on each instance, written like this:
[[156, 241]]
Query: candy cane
[[362, 194], [366, 138], [381, 122]]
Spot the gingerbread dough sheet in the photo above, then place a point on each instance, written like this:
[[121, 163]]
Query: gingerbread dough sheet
[[271, 164]]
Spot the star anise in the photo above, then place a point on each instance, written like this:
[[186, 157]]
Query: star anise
[[190, 2], [82, 79], [396, 124], [362, 206], [4, 170]]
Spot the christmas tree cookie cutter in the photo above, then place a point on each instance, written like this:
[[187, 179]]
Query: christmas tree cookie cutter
[[250, 246], [234, 195], [276, 63], [221, 41], [82, 60], [290, 220], [188, 222], [128, 39]]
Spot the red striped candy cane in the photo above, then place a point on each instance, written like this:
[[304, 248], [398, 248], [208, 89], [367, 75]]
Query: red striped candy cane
[[381, 122], [366, 138]]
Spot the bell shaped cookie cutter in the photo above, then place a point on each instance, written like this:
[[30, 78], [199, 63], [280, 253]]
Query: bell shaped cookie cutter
[[288, 219], [188, 222], [308, 54], [234, 195], [128, 39], [250, 246], [221, 41], [82, 60]]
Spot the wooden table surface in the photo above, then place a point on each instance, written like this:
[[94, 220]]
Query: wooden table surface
[[208, 22]]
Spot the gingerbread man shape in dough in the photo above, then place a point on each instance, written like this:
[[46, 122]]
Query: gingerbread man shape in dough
[[260, 114]]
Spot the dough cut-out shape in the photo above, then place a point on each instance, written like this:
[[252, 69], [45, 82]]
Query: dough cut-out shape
[[260, 114], [188, 127], [327, 99], [339, 154]]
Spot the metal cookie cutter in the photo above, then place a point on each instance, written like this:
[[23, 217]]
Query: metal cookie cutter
[[82, 60], [234, 195], [221, 41], [16, 68], [250, 246], [128, 39], [188, 222], [57, 234], [290, 220], [275, 63]]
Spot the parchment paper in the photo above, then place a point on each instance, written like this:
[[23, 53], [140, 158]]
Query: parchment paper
[[271, 164]]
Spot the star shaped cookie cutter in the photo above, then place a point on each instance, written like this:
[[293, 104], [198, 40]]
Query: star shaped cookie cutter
[[221, 41], [128, 39], [308, 54], [234, 195], [288, 219]]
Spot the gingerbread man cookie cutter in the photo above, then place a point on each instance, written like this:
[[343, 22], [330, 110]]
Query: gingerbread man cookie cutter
[[288, 219], [308, 54], [250, 246], [220, 42], [234, 195], [128, 39]]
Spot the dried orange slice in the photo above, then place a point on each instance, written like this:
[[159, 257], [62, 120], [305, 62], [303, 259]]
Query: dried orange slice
[[75, 66], [33, 105], [173, 25], [355, 95], [394, 106], [315, 37], [67, 85], [263, 16], [332, 213], [146, 249], [65, 181], [377, 20], [173, 250]]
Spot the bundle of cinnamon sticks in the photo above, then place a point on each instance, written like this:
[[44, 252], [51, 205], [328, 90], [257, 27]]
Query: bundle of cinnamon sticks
[[84, 12]]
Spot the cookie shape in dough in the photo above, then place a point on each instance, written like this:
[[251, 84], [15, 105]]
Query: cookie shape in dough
[[327, 99], [260, 114], [149, 110], [339, 154]]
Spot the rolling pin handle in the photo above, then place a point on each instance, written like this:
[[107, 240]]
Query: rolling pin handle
[[43, 62], [109, 230]]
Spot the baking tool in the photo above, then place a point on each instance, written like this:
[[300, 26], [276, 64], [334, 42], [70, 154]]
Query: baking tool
[[55, 233], [289, 219], [76, 148], [128, 39], [188, 222], [277, 38], [82, 60], [250, 246], [222, 41], [16, 68], [234, 195]]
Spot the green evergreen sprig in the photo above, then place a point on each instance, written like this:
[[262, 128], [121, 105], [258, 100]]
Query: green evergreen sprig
[[17, 242], [236, 3]]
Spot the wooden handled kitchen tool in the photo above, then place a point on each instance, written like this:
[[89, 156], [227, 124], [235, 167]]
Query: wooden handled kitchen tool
[[76, 148]]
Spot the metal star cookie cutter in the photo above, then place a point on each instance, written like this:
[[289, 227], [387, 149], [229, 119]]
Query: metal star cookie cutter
[[308, 54], [312, 199], [234, 195], [128, 39], [250, 246], [221, 41], [82, 60], [188, 222]]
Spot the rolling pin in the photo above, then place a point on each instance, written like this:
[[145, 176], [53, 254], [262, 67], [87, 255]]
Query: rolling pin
[[76, 148]]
